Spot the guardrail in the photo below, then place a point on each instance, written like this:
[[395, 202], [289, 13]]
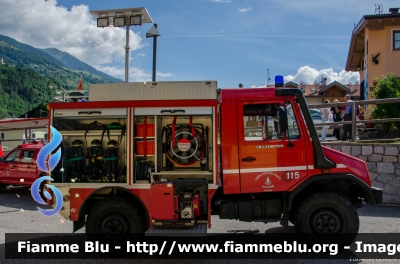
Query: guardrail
[[354, 122], [64, 95]]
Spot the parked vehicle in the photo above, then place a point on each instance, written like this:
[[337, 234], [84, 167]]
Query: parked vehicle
[[19, 167], [158, 165], [316, 116]]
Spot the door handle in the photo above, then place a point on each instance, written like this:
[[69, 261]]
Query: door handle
[[14, 166], [248, 159], [29, 167], [172, 111]]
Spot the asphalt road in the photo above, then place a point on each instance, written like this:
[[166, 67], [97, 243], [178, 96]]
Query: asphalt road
[[18, 214]]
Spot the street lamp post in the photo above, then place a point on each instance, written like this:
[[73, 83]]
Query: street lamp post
[[153, 33], [123, 17], [127, 53]]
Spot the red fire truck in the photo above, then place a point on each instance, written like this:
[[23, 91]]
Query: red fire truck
[[145, 157]]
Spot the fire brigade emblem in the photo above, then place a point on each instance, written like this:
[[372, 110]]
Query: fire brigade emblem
[[268, 184]]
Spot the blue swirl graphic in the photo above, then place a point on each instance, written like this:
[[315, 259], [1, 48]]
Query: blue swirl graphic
[[36, 196], [52, 162], [46, 150]]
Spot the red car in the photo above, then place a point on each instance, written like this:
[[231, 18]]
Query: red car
[[19, 166]]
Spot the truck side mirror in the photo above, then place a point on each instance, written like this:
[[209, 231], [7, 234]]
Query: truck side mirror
[[283, 120], [1, 159]]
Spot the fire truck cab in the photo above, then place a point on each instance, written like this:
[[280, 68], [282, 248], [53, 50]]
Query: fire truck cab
[[143, 157], [19, 167]]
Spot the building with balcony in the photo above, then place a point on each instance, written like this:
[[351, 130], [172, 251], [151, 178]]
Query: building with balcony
[[375, 49]]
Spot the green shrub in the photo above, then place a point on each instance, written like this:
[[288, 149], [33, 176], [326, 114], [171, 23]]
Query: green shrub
[[387, 87]]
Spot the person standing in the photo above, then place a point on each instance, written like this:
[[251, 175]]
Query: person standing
[[347, 116], [325, 119], [336, 112]]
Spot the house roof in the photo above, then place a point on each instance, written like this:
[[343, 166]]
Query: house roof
[[22, 123], [335, 83], [312, 90], [317, 90], [357, 42], [291, 84]]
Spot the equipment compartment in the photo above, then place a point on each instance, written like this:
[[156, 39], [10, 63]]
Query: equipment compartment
[[182, 144], [92, 151]]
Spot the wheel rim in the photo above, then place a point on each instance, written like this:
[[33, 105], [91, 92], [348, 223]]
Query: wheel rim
[[114, 226], [326, 222]]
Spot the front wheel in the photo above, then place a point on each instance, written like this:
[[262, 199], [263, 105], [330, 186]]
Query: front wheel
[[328, 217], [113, 220]]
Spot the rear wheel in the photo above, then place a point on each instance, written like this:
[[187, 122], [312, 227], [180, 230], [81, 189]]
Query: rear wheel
[[113, 220], [327, 217]]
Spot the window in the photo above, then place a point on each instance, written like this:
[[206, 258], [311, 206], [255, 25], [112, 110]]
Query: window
[[27, 156], [396, 40], [261, 122], [293, 129], [2, 136], [13, 156]]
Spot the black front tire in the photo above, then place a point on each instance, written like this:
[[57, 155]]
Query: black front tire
[[113, 220], [328, 217]]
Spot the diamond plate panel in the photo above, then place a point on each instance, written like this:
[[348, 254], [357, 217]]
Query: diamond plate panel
[[115, 91], [153, 91]]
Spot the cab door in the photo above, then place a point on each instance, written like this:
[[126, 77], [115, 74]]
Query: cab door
[[9, 168], [26, 167], [270, 160]]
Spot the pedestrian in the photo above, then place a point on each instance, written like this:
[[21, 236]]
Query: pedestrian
[[347, 116], [336, 112], [326, 114]]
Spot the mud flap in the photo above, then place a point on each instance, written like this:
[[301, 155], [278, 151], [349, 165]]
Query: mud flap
[[378, 194], [78, 224]]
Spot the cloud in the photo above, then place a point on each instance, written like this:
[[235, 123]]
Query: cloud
[[243, 10], [310, 75], [163, 75], [45, 24], [141, 55]]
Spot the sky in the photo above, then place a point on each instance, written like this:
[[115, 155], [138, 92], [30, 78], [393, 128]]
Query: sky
[[230, 41]]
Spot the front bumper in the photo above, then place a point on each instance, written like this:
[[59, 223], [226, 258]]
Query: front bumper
[[378, 194]]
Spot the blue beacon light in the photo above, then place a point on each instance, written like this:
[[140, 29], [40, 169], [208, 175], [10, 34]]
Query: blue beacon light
[[279, 81]]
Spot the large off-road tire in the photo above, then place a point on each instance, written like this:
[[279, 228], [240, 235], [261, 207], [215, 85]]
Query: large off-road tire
[[113, 220], [327, 217]]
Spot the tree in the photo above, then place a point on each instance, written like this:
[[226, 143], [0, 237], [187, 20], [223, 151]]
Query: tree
[[387, 87]]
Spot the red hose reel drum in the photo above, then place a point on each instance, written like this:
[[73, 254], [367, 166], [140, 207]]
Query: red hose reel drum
[[185, 148]]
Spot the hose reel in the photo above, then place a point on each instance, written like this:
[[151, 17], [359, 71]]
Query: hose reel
[[186, 146]]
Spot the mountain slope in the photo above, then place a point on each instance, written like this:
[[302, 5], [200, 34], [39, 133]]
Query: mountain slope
[[25, 56], [23, 89], [73, 63], [27, 53]]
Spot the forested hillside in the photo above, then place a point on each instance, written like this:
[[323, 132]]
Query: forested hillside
[[30, 76], [23, 89]]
